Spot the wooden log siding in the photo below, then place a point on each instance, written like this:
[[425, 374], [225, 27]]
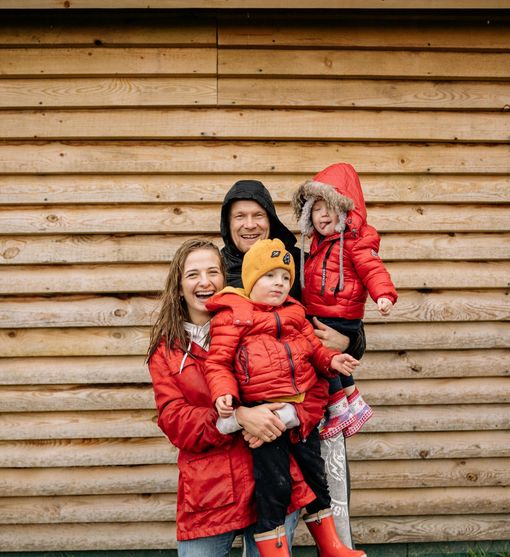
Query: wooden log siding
[[119, 141]]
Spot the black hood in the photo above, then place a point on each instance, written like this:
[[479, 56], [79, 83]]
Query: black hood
[[251, 190]]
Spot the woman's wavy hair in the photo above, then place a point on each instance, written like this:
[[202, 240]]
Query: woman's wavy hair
[[169, 324]]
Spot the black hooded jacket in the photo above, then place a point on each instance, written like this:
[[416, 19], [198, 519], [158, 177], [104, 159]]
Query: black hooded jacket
[[253, 190]]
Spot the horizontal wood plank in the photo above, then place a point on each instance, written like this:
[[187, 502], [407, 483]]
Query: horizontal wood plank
[[76, 62], [157, 450], [107, 91], [149, 188], [430, 501], [408, 365], [204, 218], [156, 248], [126, 341], [254, 157], [364, 63], [82, 425], [79, 311], [297, 124], [176, 31], [429, 445], [328, 34], [401, 474], [22, 279], [93, 480], [405, 392], [362, 93]]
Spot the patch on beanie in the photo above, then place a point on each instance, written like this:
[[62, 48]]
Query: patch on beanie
[[275, 253], [286, 258]]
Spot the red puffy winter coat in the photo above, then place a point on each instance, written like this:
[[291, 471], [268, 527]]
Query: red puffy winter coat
[[363, 270], [215, 490], [260, 352]]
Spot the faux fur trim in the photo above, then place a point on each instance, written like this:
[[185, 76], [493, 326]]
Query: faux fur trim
[[306, 195]]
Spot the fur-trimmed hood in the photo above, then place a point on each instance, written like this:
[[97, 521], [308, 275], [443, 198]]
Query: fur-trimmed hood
[[340, 188]]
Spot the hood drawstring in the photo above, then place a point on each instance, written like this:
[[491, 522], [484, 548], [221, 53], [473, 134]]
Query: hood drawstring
[[198, 334]]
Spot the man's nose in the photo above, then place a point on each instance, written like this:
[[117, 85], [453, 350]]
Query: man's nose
[[249, 222]]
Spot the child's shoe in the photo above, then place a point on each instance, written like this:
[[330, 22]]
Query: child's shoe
[[361, 411], [339, 416]]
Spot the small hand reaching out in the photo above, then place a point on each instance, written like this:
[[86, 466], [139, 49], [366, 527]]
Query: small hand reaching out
[[224, 406], [344, 363], [384, 306]]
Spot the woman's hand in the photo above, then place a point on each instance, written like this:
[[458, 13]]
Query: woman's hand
[[261, 422], [329, 337]]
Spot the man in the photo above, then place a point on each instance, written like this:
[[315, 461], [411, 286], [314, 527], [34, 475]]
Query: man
[[248, 214]]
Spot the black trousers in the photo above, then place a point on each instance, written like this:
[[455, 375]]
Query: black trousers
[[273, 486], [354, 329]]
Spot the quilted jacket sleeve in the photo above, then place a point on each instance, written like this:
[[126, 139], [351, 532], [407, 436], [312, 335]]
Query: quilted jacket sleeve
[[322, 356], [225, 337], [370, 267], [187, 426], [311, 410]]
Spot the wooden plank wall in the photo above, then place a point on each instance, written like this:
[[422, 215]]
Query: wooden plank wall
[[119, 140]]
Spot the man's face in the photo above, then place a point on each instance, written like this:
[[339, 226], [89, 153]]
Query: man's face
[[248, 223]]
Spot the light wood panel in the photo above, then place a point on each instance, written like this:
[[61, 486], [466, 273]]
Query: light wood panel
[[461, 392], [120, 341], [32, 62], [252, 124], [363, 93], [138, 311], [211, 188], [138, 248], [107, 91], [324, 34], [401, 474], [182, 218], [23, 279], [407, 365], [254, 157], [63, 370], [171, 30], [93, 480], [357, 63]]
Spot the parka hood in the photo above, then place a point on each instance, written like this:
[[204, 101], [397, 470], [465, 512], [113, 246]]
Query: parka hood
[[251, 190]]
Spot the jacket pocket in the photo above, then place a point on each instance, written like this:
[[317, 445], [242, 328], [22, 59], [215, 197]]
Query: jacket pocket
[[242, 365], [207, 481]]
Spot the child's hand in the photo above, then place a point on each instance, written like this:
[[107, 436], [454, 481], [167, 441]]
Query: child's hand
[[224, 406], [344, 363], [384, 306]]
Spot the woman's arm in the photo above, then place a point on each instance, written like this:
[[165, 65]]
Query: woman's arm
[[187, 426]]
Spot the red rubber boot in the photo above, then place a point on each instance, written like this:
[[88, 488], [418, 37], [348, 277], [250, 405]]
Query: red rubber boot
[[322, 528], [272, 543]]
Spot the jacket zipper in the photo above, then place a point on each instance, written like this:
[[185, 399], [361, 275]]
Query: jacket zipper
[[243, 363], [324, 263], [287, 349]]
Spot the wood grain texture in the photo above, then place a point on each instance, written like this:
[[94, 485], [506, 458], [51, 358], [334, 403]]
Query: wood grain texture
[[254, 157], [79, 189], [362, 93], [253, 124]]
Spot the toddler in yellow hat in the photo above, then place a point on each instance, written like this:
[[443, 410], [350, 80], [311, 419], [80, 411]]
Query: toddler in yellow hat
[[263, 349]]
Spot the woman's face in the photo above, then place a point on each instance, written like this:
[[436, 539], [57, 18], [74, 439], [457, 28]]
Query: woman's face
[[201, 278]]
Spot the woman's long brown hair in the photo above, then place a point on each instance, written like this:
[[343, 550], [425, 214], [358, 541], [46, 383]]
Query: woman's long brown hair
[[169, 324]]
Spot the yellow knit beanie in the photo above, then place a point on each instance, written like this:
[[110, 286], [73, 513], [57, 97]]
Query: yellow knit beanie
[[262, 257]]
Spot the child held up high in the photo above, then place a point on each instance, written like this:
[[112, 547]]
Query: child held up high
[[264, 349], [343, 266]]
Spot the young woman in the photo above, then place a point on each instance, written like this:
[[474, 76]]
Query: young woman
[[215, 491]]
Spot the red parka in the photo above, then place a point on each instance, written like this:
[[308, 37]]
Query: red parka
[[330, 290], [260, 352], [215, 490]]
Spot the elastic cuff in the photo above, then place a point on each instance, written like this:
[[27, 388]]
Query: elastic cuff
[[228, 425], [288, 415]]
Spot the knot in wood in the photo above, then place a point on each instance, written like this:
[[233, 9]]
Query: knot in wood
[[10, 253], [52, 218], [120, 312], [177, 211]]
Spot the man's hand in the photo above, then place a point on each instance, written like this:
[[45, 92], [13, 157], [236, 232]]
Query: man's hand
[[329, 337], [261, 422]]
